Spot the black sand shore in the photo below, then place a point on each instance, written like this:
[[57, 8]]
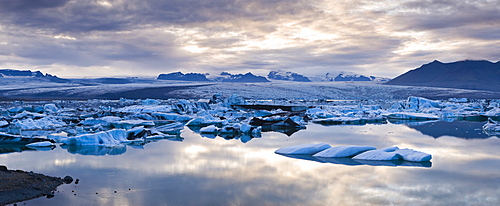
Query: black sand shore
[[17, 185]]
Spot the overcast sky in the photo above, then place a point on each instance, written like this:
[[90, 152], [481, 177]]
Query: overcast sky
[[385, 38]]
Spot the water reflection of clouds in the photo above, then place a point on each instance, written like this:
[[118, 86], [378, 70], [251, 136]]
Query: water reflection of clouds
[[224, 172]]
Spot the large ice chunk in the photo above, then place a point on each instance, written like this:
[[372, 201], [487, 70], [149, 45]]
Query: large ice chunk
[[107, 138], [3, 123], [205, 121], [43, 123], [491, 126], [209, 129], [344, 151], [41, 144], [413, 156], [306, 149], [380, 154], [234, 100], [171, 116]]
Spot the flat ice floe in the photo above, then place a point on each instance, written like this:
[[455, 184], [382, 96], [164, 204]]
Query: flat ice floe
[[363, 153], [306, 149], [344, 151]]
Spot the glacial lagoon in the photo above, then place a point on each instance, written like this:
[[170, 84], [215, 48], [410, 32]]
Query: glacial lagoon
[[206, 170]]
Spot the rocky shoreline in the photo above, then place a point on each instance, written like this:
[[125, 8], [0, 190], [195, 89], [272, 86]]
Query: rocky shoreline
[[18, 185]]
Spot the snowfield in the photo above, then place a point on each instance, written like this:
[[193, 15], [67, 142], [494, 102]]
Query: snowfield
[[18, 88]]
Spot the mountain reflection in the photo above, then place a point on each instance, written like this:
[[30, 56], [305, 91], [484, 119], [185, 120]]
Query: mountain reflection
[[458, 129]]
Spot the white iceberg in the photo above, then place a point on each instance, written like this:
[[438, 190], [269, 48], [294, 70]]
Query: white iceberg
[[41, 144], [234, 100], [205, 121], [50, 108], [107, 138], [413, 156], [103, 121], [491, 126], [306, 149], [493, 113], [43, 123], [379, 154], [3, 123], [209, 129], [344, 151], [171, 128]]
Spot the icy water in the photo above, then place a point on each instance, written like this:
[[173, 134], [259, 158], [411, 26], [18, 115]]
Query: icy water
[[465, 170]]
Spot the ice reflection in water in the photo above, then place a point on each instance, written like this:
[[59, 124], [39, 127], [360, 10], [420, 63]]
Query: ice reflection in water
[[204, 171]]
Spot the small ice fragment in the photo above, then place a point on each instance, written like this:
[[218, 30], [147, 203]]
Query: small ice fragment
[[41, 144]]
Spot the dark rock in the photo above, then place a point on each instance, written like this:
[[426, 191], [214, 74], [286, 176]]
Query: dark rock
[[68, 179], [3, 168]]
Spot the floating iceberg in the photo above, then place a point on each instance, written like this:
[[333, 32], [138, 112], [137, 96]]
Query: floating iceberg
[[209, 129], [344, 151], [205, 121], [394, 153], [16, 139], [380, 154], [491, 126], [413, 156], [43, 123], [362, 153], [41, 144], [107, 138], [4, 123], [172, 128], [306, 149]]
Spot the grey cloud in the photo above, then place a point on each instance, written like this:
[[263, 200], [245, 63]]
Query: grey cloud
[[24, 5], [429, 15], [85, 15]]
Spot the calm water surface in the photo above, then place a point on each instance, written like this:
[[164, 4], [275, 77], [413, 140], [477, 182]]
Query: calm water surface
[[205, 171]]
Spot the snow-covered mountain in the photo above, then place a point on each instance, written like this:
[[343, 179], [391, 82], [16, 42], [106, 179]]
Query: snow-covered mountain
[[36, 75], [287, 76], [183, 77], [248, 77], [347, 76]]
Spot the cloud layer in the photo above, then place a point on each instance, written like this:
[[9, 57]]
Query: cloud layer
[[147, 37]]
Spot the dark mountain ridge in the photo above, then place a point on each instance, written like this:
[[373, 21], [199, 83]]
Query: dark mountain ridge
[[30, 74], [468, 74]]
